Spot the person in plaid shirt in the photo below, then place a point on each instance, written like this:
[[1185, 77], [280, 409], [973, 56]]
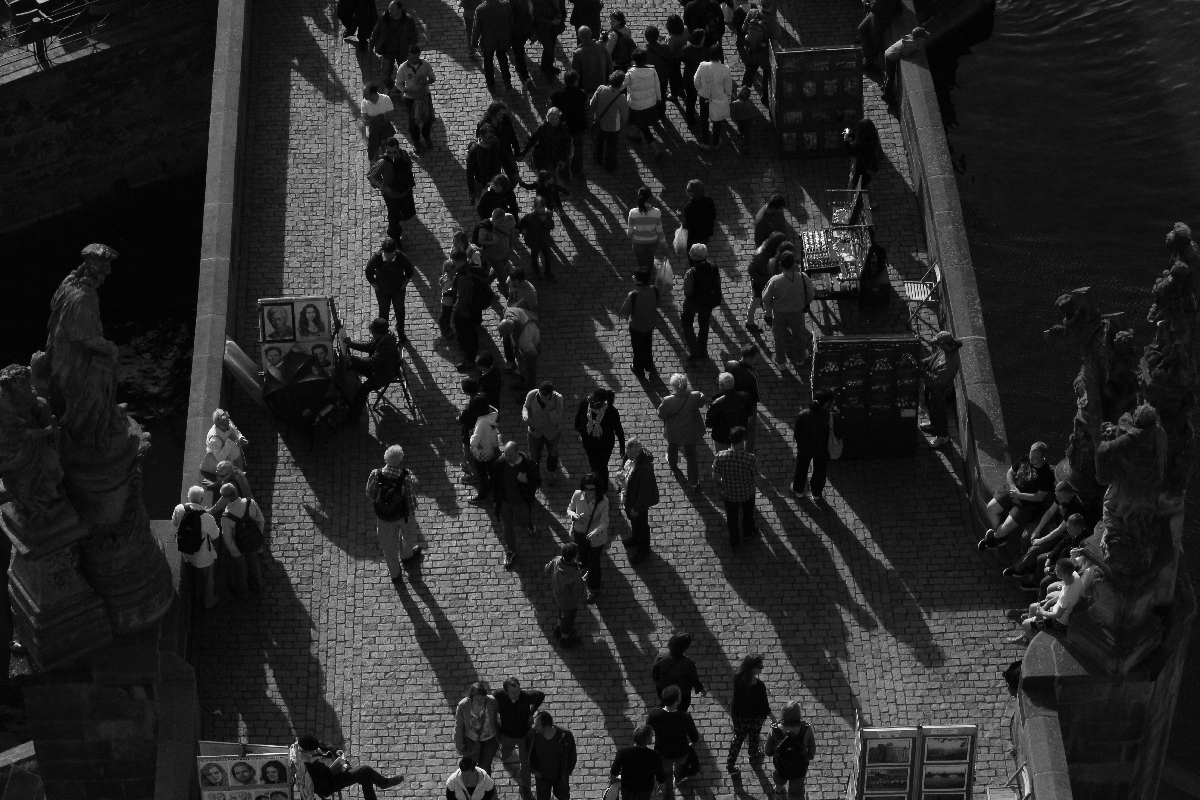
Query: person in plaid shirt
[[735, 470], [392, 490]]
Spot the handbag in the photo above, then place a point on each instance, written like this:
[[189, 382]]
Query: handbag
[[681, 242], [835, 445]]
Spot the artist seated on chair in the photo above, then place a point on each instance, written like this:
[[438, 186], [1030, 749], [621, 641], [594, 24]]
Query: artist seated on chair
[[379, 368], [330, 770]]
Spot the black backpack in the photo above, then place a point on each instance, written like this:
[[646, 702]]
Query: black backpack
[[622, 54], [246, 534], [482, 296], [706, 286], [791, 759], [190, 536], [391, 504]]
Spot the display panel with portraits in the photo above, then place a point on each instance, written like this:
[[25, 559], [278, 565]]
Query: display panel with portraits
[[304, 325], [245, 777]]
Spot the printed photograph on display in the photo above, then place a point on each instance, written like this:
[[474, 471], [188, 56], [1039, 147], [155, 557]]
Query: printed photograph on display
[[885, 779], [947, 748], [889, 797], [944, 795], [312, 319], [944, 776], [889, 751], [276, 323], [245, 777]]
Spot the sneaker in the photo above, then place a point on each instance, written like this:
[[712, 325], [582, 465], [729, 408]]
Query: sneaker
[[396, 780], [750, 326], [592, 597], [416, 556], [509, 557], [732, 769], [926, 426], [1020, 639], [939, 441], [468, 480], [989, 541], [479, 498], [1008, 572]]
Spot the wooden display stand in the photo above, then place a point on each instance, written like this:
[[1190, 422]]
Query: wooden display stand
[[816, 93]]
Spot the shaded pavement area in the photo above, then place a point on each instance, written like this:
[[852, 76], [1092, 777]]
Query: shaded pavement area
[[879, 603]]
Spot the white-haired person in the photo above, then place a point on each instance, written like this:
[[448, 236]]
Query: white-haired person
[[225, 441], [683, 426], [195, 532], [392, 489]]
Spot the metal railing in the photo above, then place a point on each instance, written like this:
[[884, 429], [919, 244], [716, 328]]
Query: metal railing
[[36, 37]]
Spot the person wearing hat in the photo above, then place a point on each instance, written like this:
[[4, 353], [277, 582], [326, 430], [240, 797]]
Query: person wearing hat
[[393, 495], [701, 294], [940, 369]]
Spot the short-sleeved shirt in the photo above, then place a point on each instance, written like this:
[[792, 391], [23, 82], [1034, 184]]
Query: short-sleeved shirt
[[207, 554], [383, 105], [1030, 479]]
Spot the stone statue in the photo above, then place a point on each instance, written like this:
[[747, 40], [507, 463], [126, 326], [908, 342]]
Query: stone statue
[[1132, 461], [78, 371], [29, 462]]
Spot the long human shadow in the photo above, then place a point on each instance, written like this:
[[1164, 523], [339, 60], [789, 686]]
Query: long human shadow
[[448, 657], [628, 625]]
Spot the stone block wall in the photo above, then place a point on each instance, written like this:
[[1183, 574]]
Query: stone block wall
[[126, 115]]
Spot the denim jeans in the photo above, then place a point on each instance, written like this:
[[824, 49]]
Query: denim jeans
[[697, 341], [689, 454], [489, 75], [522, 745], [551, 444], [748, 527]]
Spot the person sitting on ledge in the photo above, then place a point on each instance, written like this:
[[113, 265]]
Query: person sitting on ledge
[[1054, 612], [379, 368], [1023, 498], [328, 771], [1050, 532]]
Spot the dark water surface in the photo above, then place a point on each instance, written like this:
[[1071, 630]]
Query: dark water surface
[[1075, 131], [148, 306]]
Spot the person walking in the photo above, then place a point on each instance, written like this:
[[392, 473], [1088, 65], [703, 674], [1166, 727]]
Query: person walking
[[735, 470], [638, 767], [610, 109], [469, 782], [552, 757], [757, 35], [485, 449], [750, 709], [389, 272], [392, 175], [939, 370], [495, 235], [549, 20], [785, 301], [590, 61], [699, 214], [701, 294], [598, 424], [760, 271], [378, 369], [676, 668], [225, 441], [568, 586], [659, 57], [394, 34], [551, 145], [492, 33], [542, 413], [537, 229], [467, 418], [473, 295], [358, 18], [242, 528], [586, 14], [730, 409], [517, 707], [645, 97], [517, 480], [486, 159], [677, 39], [674, 734], [572, 101], [791, 747], [588, 512], [863, 144], [714, 86], [641, 309], [771, 218], [691, 56], [392, 490], [745, 379], [415, 78], [499, 195], [683, 426], [639, 493], [477, 726], [375, 112], [645, 230], [195, 532], [812, 445], [618, 40], [522, 32]]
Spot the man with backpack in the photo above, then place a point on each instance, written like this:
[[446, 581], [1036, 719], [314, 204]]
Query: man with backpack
[[785, 301], [791, 747], [701, 294], [392, 493], [195, 531], [641, 308], [473, 295], [392, 175], [242, 527], [619, 42], [756, 53]]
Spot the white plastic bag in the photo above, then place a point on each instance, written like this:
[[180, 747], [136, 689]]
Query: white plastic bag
[[664, 279], [681, 240]]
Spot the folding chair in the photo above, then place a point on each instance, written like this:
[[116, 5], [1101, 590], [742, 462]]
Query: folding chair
[[924, 293], [381, 398]]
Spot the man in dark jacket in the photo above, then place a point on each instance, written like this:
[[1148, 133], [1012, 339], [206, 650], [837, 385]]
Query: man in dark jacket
[[485, 160], [812, 445], [641, 307], [549, 20], [693, 53], [639, 494], [517, 707], [552, 757], [599, 426], [379, 368], [472, 282], [586, 13], [745, 379], [358, 19], [516, 479], [522, 32], [392, 175], [674, 734], [493, 34], [395, 32], [389, 272], [573, 103], [639, 768], [730, 409], [331, 772], [591, 60], [701, 294]]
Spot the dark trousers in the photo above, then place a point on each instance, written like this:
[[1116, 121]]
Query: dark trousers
[[392, 300], [519, 60], [749, 731], [445, 324], [395, 210], [606, 148], [489, 76], [697, 341], [820, 467], [598, 454], [358, 18], [484, 470], [639, 528], [365, 777], [466, 330], [389, 70], [548, 47], [936, 402], [589, 559], [359, 401], [565, 629], [547, 259], [556, 784], [744, 509], [417, 132], [675, 79], [577, 146], [709, 134], [642, 344], [748, 80], [690, 97]]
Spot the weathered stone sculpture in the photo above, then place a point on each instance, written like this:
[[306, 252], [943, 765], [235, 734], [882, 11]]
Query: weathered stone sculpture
[[29, 462]]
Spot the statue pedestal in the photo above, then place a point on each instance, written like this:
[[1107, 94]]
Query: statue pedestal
[[57, 615]]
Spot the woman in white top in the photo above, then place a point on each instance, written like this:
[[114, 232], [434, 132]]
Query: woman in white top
[[645, 229], [645, 98], [376, 110], [588, 513]]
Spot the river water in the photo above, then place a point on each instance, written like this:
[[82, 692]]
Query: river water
[[1075, 132]]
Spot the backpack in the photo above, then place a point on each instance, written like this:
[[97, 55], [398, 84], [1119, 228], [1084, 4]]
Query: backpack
[[246, 534], [755, 30], [391, 503], [706, 286], [190, 536], [790, 758], [481, 297], [622, 54]]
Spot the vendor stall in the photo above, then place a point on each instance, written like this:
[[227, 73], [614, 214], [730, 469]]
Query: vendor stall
[[816, 93]]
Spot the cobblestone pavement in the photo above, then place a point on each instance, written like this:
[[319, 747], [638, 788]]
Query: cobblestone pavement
[[880, 604]]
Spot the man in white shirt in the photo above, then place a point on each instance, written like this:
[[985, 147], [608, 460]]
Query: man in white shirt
[[225, 441], [249, 578], [192, 521]]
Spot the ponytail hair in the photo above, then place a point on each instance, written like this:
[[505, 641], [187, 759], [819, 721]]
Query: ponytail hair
[[643, 198]]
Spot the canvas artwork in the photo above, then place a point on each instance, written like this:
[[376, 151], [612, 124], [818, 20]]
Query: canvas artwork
[[276, 323], [312, 319], [947, 748], [885, 779], [250, 777], [944, 776], [889, 751]]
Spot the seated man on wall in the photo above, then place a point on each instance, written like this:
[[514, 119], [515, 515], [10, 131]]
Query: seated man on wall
[[379, 368], [1049, 533], [1023, 498]]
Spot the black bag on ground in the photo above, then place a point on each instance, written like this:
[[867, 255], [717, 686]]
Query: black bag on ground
[[1012, 676], [390, 502], [246, 534], [190, 536]]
